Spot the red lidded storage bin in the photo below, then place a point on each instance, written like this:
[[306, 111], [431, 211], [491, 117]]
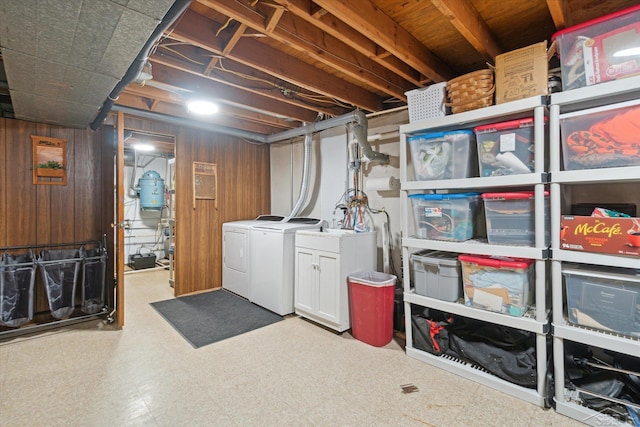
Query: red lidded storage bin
[[500, 284], [506, 148], [510, 218], [599, 50]]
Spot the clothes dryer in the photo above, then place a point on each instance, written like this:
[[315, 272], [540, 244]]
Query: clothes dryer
[[235, 253]]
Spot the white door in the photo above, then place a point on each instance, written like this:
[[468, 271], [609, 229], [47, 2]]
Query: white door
[[235, 265], [329, 286], [305, 280]]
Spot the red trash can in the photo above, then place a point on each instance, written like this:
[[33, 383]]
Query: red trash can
[[371, 296]]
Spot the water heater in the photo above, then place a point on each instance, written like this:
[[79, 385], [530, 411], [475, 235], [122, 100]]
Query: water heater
[[151, 190]]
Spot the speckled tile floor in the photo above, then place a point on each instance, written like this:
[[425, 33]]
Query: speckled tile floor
[[291, 373]]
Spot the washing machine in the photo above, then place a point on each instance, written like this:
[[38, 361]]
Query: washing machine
[[272, 262], [235, 253]]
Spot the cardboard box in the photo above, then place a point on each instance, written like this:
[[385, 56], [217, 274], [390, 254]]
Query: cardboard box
[[522, 73], [619, 236]]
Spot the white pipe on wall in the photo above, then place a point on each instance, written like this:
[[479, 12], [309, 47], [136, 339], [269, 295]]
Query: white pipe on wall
[[306, 172]]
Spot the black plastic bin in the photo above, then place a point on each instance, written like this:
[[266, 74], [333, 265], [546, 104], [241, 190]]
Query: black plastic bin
[[17, 278], [93, 279], [60, 271]]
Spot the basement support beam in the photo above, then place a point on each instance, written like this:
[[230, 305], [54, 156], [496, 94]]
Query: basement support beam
[[468, 22], [558, 11], [369, 20]]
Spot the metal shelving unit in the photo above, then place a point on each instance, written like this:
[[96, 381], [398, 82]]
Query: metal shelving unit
[[537, 319], [567, 401]]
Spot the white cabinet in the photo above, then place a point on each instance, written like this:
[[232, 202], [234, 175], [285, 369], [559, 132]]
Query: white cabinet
[[568, 402], [323, 262], [536, 320]]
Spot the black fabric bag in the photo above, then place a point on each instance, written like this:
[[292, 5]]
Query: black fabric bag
[[507, 353], [429, 335]]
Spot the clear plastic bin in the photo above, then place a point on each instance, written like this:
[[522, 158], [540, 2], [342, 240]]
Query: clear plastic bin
[[500, 284], [602, 137], [506, 148], [445, 216], [443, 155], [437, 275], [17, 278], [599, 50], [511, 218], [603, 298], [60, 270]]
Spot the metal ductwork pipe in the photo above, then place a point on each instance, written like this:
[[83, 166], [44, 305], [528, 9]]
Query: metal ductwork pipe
[[373, 156], [306, 176], [360, 131], [357, 117], [174, 12], [179, 121]]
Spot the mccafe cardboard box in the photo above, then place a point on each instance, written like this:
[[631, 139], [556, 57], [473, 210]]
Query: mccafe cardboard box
[[619, 236]]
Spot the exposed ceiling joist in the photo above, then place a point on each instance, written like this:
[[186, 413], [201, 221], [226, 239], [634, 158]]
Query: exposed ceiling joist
[[338, 29], [369, 20], [320, 46], [558, 11], [270, 64], [137, 102], [273, 18], [196, 84], [251, 81], [159, 95], [199, 31], [466, 19]]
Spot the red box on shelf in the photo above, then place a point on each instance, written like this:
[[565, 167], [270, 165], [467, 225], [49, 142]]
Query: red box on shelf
[[618, 236]]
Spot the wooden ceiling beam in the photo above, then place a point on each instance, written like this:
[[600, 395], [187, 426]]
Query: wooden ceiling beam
[[159, 95], [274, 17], [169, 72], [229, 77], [558, 11], [236, 34], [200, 31], [318, 45], [133, 101], [338, 29], [233, 40], [155, 93], [372, 22], [470, 24]]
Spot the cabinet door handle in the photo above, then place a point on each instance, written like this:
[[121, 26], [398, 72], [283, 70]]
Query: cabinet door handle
[[315, 266]]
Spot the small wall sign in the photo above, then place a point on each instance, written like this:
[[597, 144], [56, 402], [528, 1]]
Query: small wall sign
[[49, 160], [204, 182]]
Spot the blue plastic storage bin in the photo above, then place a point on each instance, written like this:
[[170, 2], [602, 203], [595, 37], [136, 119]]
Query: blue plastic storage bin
[[445, 216]]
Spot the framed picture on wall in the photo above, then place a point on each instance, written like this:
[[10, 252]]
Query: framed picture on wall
[[49, 160], [204, 182]]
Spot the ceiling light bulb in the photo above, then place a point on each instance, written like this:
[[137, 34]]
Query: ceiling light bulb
[[143, 147], [202, 107]]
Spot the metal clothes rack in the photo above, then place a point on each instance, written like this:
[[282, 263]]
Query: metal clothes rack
[[107, 298]]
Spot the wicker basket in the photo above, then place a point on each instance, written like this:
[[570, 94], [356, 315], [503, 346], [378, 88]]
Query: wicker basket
[[470, 91]]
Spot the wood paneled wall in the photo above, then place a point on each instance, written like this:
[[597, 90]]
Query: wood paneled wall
[[50, 214], [243, 193], [84, 209]]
